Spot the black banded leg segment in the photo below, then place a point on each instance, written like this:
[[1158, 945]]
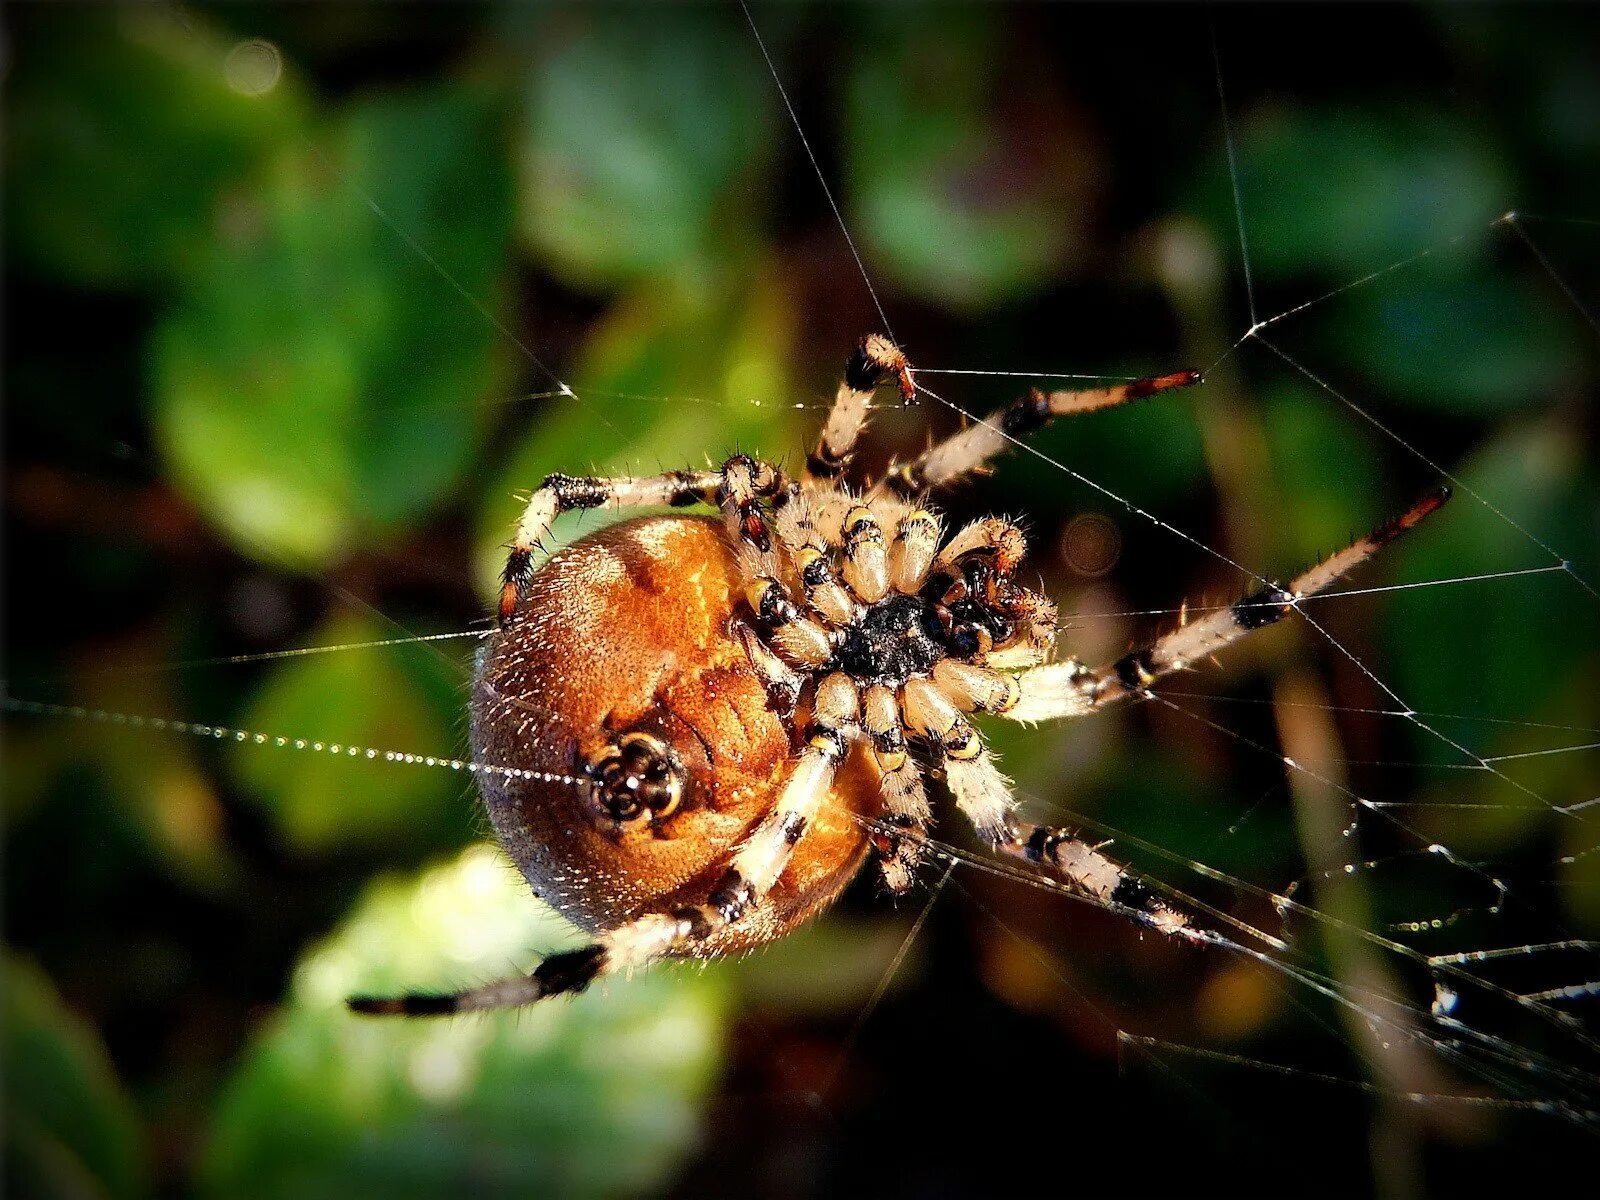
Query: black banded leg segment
[[874, 360], [1084, 868], [985, 797], [564, 493], [969, 449], [570, 971], [1069, 689], [756, 867]]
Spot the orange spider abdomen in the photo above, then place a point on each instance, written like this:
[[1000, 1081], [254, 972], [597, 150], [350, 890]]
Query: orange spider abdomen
[[625, 637]]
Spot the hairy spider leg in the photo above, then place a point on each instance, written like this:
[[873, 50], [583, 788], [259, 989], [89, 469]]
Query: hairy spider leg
[[898, 845], [969, 449], [756, 868], [874, 359], [984, 795], [737, 488], [1069, 689]]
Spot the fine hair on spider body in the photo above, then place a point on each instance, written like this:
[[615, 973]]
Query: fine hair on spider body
[[755, 703]]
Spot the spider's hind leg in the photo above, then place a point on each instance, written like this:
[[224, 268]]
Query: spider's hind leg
[[753, 870], [985, 796]]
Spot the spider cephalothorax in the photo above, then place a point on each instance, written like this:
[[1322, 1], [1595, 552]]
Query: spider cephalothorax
[[712, 723]]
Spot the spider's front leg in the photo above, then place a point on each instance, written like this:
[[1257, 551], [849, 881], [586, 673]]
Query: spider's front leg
[[969, 449], [754, 869], [874, 359], [739, 489], [1069, 689], [564, 493]]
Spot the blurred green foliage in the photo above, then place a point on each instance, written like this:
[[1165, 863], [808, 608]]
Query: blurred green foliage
[[315, 801], [323, 1105], [298, 384], [646, 144], [966, 187], [295, 350], [70, 1129], [124, 138]]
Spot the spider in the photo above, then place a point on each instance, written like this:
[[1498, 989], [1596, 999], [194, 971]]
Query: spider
[[712, 724]]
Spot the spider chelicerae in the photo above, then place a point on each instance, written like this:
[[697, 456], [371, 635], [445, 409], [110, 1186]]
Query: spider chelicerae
[[700, 729]]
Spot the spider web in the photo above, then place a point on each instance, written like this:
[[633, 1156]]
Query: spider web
[[1487, 1003]]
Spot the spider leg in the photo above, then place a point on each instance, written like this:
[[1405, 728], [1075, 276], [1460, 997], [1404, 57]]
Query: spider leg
[[969, 449], [811, 561], [756, 866], [1069, 689], [874, 359], [738, 489], [985, 796], [906, 813], [746, 482], [563, 493]]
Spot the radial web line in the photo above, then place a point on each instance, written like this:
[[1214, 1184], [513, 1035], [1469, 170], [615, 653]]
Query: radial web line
[[1399, 1017], [1233, 178], [226, 733], [1314, 596], [1510, 219], [226, 660], [1564, 563], [838, 215], [1411, 715], [438, 268], [1285, 903]]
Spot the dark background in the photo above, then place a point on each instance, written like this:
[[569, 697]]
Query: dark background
[[248, 409]]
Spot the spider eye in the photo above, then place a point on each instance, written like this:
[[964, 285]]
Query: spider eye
[[635, 782]]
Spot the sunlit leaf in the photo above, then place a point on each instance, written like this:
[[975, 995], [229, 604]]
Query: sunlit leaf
[[384, 698], [599, 1095], [645, 144], [963, 185], [126, 141], [319, 383], [70, 1130]]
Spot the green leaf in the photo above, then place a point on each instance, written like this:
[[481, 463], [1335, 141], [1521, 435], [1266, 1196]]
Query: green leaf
[[126, 142], [70, 1130], [646, 144], [678, 375], [600, 1095], [1464, 341], [386, 698], [963, 186], [1326, 467], [1343, 191], [317, 386], [1151, 452]]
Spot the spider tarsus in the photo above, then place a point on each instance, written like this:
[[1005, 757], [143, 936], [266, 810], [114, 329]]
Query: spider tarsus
[[1429, 504], [413, 1004], [875, 358]]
